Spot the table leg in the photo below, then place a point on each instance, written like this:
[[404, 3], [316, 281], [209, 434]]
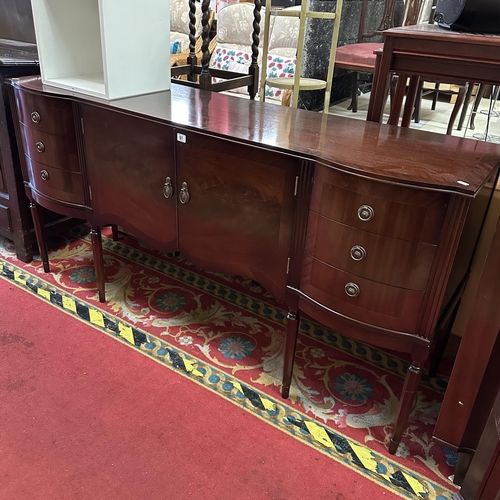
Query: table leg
[[410, 100], [397, 102]]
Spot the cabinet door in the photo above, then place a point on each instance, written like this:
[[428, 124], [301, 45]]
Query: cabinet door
[[239, 215], [129, 161]]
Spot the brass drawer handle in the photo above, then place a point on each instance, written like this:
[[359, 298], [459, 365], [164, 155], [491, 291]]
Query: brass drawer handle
[[44, 175], [40, 147], [168, 190], [366, 213], [35, 117], [358, 252], [352, 289], [184, 193]]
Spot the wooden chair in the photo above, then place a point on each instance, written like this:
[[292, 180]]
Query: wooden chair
[[201, 76], [359, 57], [181, 58]]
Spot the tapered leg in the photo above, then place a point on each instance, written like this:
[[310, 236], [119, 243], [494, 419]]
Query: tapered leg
[[410, 100], [39, 233], [397, 102], [465, 107], [413, 376], [483, 87], [95, 236], [456, 107], [292, 328]]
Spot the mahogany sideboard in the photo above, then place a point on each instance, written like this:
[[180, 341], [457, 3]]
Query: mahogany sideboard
[[364, 227]]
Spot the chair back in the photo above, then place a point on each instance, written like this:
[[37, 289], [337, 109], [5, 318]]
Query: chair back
[[396, 13]]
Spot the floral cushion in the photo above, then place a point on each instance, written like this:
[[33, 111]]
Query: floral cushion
[[179, 17]]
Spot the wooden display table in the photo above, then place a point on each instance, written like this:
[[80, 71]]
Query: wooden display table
[[433, 53], [354, 223]]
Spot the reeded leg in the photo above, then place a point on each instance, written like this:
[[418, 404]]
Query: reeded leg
[[292, 328], [40, 238], [95, 236], [412, 380]]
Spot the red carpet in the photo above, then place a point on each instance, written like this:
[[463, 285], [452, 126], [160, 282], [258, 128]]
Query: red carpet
[[212, 335], [85, 417]]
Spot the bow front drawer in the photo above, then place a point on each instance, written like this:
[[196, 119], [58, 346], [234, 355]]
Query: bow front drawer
[[49, 114], [52, 150], [56, 184]]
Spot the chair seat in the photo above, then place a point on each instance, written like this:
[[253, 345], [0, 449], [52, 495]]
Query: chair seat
[[357, 56]]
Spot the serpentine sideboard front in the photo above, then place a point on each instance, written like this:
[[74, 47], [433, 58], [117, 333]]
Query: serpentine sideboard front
[[367, 228]]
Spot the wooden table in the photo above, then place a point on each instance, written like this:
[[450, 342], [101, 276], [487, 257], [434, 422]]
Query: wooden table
[[434, 53]]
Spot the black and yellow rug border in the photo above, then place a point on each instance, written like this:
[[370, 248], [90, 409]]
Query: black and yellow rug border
[[346, 451]]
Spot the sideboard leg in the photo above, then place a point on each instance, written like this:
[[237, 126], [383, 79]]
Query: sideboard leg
[[292, 328], [412, 380], [95, 236], [39, 233]]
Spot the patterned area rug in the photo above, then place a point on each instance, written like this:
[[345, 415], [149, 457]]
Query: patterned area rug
[[227, 334]]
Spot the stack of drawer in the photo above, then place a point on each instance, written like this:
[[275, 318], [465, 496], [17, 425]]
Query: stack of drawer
[[370, 248], [49, 141]]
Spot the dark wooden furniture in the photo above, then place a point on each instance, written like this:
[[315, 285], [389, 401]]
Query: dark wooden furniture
[[16, 59], [475, 379], [433, 53], [353, 223], [200, 75], [482, 481]]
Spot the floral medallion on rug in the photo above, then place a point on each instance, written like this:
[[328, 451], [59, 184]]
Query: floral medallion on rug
[[227, 334]]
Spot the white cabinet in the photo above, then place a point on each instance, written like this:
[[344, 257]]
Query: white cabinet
[[104, 48]]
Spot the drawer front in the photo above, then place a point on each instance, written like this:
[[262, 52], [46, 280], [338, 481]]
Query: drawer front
[[380, 208], [5, 219], [53, 150], [370, 302], [60, 185], [52, 115], [401, 263]]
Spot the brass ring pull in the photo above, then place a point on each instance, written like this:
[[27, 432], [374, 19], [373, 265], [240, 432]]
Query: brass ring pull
[[35, 117], [168, 190], [40, 147], [352, 289], [366, 213], [44, 175], [184, 193], [358, 252]]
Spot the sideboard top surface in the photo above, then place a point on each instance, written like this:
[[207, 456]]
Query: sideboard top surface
[[388, 153]]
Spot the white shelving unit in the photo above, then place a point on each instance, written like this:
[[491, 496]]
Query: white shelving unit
[[104, 48]]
